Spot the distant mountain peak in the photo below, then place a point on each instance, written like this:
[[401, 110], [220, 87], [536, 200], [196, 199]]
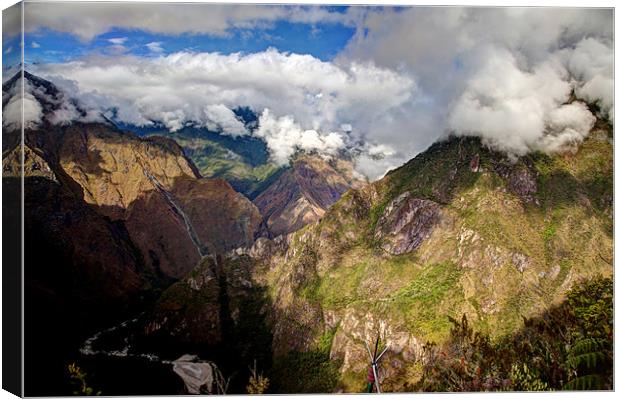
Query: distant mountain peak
[[303, 193], [43, 102]]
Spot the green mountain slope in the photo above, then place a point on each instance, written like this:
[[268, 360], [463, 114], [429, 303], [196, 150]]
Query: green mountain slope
[[241, 161], [458, 230]]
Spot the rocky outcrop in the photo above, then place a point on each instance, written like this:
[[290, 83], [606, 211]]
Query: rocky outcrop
[[73, 250], [223, 218], [265, 248], [520, 179], [217, 305], [453, 235], [405, 223], [33, 166], [356, 329]]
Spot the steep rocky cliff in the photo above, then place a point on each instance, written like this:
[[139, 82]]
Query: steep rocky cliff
[[218, 312], [460, 229], [172, 215]]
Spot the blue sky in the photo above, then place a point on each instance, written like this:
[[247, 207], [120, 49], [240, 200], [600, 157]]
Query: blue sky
[[322, 41], [319, 39], [10, 52], [406, 76]]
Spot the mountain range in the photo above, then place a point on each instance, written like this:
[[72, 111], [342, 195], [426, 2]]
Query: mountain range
[[227, 254]]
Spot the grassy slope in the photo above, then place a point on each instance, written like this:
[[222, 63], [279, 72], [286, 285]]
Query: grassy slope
[[242, 162], [467, 265]]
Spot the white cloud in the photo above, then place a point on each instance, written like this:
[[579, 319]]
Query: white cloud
[[8, 50], [567, 126], [221, 118], [406, 78], [511, 109], [155, 47], [374, 168], [35, 45], [12, 111], [284, 137], [88, 20], [117, 45], [592, 64], [60, 109], [203, 88], [118, 40], [500, 73]]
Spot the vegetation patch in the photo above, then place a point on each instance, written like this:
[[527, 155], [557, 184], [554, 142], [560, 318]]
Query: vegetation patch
[[569, 346], [308, 371]]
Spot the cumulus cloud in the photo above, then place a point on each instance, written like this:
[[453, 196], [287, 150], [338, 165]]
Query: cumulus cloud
[[12, 111], [374, 160], [592, 65], [118, 40], [567, 125], [155, 47], [514, 110], [221, 118], [88, 20], [40, 104], [35, 45], [407, 77], [504, 74], [284, 137], [310, 97]]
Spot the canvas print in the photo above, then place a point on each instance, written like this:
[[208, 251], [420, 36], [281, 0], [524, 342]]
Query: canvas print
[[296, 198]]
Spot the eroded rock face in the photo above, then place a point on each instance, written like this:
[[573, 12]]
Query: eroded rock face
[[405, 223], [520, 180], [223, 218], [72, 250], [34, 165], [523, 183], [262, 248], [301, 195], [521, 262], [172, 215]]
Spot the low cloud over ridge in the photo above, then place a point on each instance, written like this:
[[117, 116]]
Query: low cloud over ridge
[[504, 74], [303, 101], [406, 78]]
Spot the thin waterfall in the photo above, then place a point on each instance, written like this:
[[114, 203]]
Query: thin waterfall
[[202, 251]]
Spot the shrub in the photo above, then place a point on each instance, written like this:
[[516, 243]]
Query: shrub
[[78, 380], [570, 346], [257, 384]]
